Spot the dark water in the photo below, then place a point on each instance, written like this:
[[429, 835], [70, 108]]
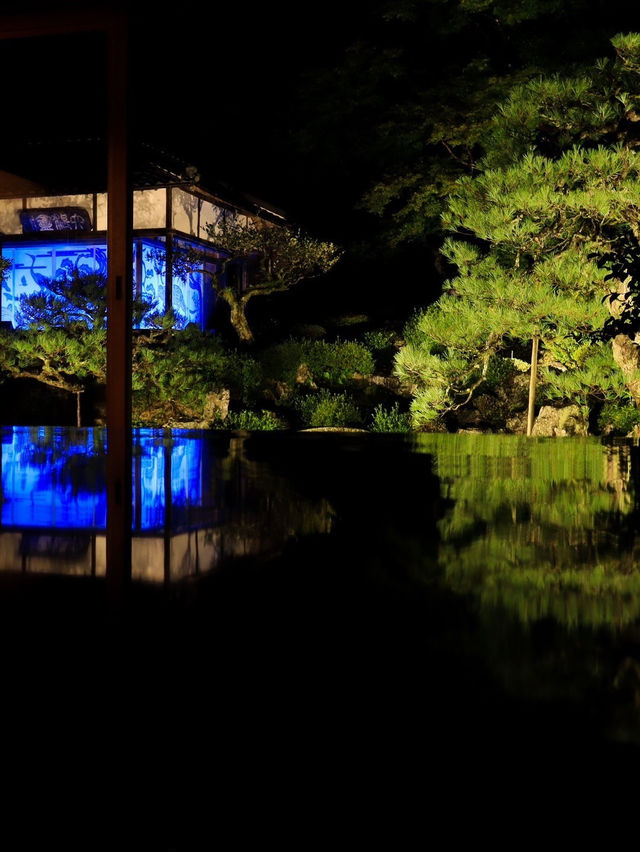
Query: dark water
[[436, 618]]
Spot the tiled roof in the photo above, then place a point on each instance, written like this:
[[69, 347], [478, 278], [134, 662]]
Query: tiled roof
[[72, 166]]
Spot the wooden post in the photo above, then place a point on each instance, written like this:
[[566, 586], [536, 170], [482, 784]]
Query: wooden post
[[111, 20], [532, 383], [119, 298]]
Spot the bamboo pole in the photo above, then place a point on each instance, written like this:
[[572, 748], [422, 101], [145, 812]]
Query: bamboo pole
[[532, 383]]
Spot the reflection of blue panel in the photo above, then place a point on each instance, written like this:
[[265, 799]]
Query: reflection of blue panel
[[55, 477], [50, 482]]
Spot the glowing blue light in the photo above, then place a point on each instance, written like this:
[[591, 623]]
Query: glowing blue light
[[32, 265], [55, 478]]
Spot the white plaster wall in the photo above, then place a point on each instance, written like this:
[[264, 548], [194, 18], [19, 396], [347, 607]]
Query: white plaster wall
[[9, 218], [101, 212], [149, 208], [210, 214], [10, 208], [85, 201], [184, 213]]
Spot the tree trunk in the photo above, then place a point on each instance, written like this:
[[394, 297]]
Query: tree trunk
[[78, 410], [532, 383], [239, 321]]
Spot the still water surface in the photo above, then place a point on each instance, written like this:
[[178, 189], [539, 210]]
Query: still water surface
[[485, 587]]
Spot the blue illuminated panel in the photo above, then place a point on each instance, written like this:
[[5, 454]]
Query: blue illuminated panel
[[32, 265], [55, 478], [186, 290]]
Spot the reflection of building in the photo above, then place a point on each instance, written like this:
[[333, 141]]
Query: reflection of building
[[47, 227], [196, 501], [53, 508]]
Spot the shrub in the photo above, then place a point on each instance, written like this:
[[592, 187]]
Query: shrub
[[390, 419], [378, 340], [618, 419], [328, 409], [252, 421], [330, 364], [172, 374]]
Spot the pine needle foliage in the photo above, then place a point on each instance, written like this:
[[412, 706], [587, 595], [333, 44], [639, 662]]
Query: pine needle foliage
[[527, 237]]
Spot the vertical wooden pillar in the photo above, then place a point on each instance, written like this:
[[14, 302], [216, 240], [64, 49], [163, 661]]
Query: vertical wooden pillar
[[168, 283], [111, 20], [119, 297]]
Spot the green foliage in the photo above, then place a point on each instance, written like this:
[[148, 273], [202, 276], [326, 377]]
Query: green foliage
[[390, 419], [332, 364], [251, 421], [535, 526], [618, 419], [270, 258], [173, 370], [173, 374], [410, 106], [378, 340], [327, 409], [527, 237], [279, 255]]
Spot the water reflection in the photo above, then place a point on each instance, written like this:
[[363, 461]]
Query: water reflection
[[542, 528], [196, 501], [483, 586]]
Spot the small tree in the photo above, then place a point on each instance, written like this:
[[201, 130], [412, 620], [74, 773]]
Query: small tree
[[62, 341], [64, 346], [277, 256]]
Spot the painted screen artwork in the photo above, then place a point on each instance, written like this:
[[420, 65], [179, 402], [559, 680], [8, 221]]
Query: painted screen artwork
[[32, 265]]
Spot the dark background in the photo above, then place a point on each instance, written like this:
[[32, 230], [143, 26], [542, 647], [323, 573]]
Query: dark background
[[290, 104], [221, 86]]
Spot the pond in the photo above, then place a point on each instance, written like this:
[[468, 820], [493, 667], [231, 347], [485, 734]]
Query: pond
[[438, 598]]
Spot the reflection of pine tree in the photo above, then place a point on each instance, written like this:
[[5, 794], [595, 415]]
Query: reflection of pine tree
[[543, 528]]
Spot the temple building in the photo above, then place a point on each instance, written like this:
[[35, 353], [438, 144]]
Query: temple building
[[51, 226]]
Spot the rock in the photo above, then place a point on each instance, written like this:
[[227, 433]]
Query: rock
[[387, 386], [216, 405], [436, 426], [304, 376], [517, 425], [276, 391], [626, 354], [560, 422]]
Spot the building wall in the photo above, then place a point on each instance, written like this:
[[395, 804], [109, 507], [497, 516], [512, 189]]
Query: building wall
[[149, 208], [191, 214]]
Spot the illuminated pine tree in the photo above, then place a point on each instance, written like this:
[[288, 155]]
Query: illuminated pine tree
[[525, 237]]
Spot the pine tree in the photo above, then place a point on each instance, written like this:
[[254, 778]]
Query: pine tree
[[557, 191], [275, 257]]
